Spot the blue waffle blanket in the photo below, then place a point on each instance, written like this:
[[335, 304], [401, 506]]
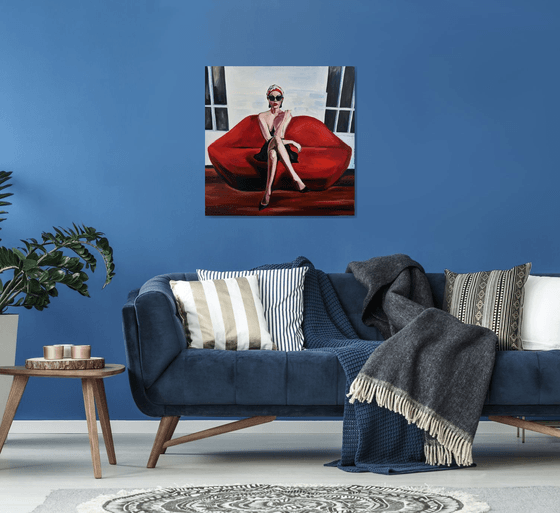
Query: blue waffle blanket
[[375, 439]]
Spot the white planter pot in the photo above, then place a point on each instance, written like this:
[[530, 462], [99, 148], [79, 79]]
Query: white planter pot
[[8, 340]]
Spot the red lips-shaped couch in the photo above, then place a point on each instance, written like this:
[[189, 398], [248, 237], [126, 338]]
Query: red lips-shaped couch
[[322, 160]]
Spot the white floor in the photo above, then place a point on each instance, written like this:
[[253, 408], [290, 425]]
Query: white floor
[[32, 465]]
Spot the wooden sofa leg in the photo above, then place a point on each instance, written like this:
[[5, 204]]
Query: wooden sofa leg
[[167, 426], [169, 434], [526, 424], [226, 428], [161, 437]]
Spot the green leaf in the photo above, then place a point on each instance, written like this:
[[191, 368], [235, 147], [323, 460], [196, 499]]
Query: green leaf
[[29, 264], [19, 253], [4, 179], [39, 266], [33, 286], [9, 259]]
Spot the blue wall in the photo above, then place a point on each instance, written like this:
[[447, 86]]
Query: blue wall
[[101, 120]]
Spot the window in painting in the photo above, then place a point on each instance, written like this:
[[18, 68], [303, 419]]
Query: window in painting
[[340, 109], [216, 113]]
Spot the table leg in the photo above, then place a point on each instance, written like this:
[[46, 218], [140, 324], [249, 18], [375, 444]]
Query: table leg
[[103, 412], [16, 391], [88, 387]]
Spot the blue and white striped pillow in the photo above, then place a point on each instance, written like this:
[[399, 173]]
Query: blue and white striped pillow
[[282, 299]]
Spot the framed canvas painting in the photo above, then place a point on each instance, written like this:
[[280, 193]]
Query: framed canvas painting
[[280, 141]]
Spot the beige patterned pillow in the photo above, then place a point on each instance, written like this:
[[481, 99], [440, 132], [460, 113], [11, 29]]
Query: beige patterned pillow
[[222, 314], [493, 299]]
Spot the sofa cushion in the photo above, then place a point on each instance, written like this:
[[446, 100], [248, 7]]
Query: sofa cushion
[[540, 330], [528, 378], [222, 314], [493, 299], [206, 377], [281, 292], [307, 378]]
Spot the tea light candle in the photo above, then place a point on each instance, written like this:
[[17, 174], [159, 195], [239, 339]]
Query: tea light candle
[[53, 352], [81, 352], [67, 350]]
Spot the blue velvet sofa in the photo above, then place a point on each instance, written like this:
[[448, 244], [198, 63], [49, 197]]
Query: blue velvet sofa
[[169, 381]]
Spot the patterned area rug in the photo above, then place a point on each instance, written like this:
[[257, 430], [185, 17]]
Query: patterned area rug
[[284, 499]]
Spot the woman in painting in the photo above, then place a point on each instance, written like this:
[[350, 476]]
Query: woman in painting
[[273, 124]]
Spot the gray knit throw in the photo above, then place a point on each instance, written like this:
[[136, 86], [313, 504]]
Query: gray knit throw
[[432, 369]]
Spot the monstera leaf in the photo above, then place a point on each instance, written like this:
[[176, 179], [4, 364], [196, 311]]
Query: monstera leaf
[[40, 266]]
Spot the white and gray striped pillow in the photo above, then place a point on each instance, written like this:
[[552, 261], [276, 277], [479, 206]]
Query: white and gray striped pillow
[[281, 293], [222, 314]]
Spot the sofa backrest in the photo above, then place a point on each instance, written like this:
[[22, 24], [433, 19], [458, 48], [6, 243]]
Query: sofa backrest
[[352, 294]]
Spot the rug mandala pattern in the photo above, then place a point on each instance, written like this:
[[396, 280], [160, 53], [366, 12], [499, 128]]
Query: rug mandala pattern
[[289, 499]]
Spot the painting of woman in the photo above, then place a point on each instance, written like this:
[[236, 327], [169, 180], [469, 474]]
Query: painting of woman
[[273, 124], [259, 163]]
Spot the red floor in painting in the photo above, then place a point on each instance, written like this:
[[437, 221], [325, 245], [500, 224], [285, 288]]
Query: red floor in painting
[[223, 200]]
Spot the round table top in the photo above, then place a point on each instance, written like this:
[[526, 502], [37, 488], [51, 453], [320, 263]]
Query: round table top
[[110, 369]]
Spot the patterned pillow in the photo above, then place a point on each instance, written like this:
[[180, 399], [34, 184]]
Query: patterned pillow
[[282, 298], [222, 314], [492, 299]]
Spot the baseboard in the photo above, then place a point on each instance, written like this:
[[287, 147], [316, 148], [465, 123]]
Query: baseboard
[[192, 426]]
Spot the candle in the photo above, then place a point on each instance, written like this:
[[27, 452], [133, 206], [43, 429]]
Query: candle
[[53, 352], [67, 350], [81, 352]]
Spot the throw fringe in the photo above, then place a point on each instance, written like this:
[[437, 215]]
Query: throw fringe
[[448, 443]]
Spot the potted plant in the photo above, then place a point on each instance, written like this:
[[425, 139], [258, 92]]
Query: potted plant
[[35, 271]]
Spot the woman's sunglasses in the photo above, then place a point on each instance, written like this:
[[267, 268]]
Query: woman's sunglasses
[[273, 98]]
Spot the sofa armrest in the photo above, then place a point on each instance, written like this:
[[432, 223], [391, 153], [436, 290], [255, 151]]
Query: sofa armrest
[[161, 336], [130, 331], [132, 349]]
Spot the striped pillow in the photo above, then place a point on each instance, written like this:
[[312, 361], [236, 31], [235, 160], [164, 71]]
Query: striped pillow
[[222, 314], [282, 298], [492, 299]]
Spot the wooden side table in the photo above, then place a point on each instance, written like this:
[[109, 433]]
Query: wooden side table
[[94, 394]]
